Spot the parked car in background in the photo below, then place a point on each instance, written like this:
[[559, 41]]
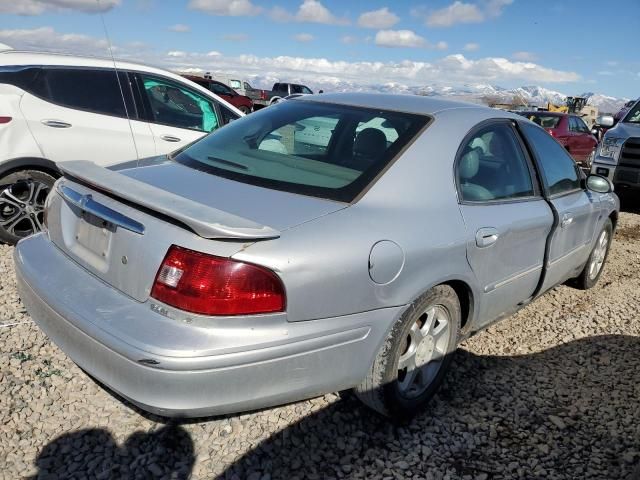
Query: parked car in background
[[279, 92], [55, 108], [571, 131], [241, 102], [358, 258], [618, 156]]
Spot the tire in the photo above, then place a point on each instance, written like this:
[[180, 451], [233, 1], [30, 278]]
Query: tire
[[245, 110], [394, 392], [597, 259], [22, 197]]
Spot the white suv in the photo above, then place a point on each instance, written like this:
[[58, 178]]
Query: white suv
[[55, 108]]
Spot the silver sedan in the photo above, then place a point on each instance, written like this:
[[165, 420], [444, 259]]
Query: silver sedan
[[329, 242]]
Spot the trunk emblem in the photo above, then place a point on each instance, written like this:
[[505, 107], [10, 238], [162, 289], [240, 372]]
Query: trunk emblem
[[124, 259]]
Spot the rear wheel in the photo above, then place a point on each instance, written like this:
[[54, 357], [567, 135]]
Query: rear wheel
[[22, 197], [593, 269], [411, 364]]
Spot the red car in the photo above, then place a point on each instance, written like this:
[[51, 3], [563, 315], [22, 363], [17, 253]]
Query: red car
[[242, 103], [570, 131]]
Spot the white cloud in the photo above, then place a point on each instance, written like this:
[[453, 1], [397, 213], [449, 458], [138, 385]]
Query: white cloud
[[229, 8], [441, 46], [310, 11], [236, 37], [4, 46], [46, 38], [349, 39], [451, 69], [37, 7], [606, 73], [460, 12], [471, 47], [611, 63], [180, 28], [525, 56], [399, 38], [379, 19], [303, 37]]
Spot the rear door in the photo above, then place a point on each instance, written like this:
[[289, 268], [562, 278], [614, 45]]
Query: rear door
[[576, 207], [507, 219], [177, 114], [80, 114]]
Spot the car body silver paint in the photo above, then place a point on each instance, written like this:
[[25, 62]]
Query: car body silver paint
[[322, 257]]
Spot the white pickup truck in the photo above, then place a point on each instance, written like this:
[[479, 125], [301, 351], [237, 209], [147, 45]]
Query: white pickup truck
[[618, 155]]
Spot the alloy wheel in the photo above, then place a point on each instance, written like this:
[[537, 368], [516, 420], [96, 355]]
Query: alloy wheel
[[22, 207], [599, 254], [424, 351]]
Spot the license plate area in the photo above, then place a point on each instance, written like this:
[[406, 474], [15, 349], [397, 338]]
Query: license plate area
[[94, 237]]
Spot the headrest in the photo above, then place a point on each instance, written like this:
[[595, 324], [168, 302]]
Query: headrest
[[370, 143], [469, 165]]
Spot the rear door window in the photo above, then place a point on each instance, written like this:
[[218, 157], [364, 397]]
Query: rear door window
[[178, 106], [492, 166], [559, 171], [92, 90]]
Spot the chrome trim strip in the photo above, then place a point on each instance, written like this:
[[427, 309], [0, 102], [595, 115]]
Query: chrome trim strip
[[88, 204], [568, 254], [517, 276]]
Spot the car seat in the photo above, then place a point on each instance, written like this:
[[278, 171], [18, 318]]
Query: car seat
[[369, 145], [467, 169]]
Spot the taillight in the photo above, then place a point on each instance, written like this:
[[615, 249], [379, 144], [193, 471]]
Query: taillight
[[5, 119], [263, 95], [200, 283], [549, 131]]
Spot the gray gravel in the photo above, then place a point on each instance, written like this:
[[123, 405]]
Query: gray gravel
[[551, 393]]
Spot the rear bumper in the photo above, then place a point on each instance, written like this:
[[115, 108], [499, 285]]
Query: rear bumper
[[271, 363]]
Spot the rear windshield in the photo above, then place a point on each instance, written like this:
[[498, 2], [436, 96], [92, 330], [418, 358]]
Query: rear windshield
[[545, 121], [317, 149]]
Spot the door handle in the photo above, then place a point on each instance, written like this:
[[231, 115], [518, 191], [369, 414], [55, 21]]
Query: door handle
[[485, 237], [567, 220], [55, 123], [169, 138]]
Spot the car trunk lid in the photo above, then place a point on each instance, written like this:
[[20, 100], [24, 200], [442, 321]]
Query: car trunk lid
[[120, 225]]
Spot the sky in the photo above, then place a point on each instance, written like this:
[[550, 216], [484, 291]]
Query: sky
[[573, 46]]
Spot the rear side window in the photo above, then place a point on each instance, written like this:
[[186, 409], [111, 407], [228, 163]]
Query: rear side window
[[311, 148], [96, 91], [559, 171], [545, 121], [492, 166], [235, 83], [21, 77]]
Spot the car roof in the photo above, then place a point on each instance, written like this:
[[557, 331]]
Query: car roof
[[404, 103], [546, 113], [17, 57]]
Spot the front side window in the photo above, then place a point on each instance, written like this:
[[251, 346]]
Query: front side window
[[96, 91], [544, 120], [582, 127], [634, 115], [177, 106], [492, 166], [305, 147], [559, 171]]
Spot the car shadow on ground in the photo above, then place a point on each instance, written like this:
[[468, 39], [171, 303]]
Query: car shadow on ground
[[629, 200], [571, 412], [93, 453]]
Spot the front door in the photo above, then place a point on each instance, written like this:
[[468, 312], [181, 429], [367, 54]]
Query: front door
[[177, 114], [575, 207], [506, 217]]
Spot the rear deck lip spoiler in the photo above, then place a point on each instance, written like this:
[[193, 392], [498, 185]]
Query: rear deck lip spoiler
[[207, 222]]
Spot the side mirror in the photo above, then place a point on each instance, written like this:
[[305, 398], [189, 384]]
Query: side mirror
[[604, 121], [599, 184]]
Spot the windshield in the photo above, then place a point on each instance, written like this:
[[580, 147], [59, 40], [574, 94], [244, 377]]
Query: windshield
[[323, 150], [634, 115], [544, 120]]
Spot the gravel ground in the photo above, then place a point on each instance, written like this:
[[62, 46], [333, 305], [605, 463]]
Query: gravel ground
[[551, 393]]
